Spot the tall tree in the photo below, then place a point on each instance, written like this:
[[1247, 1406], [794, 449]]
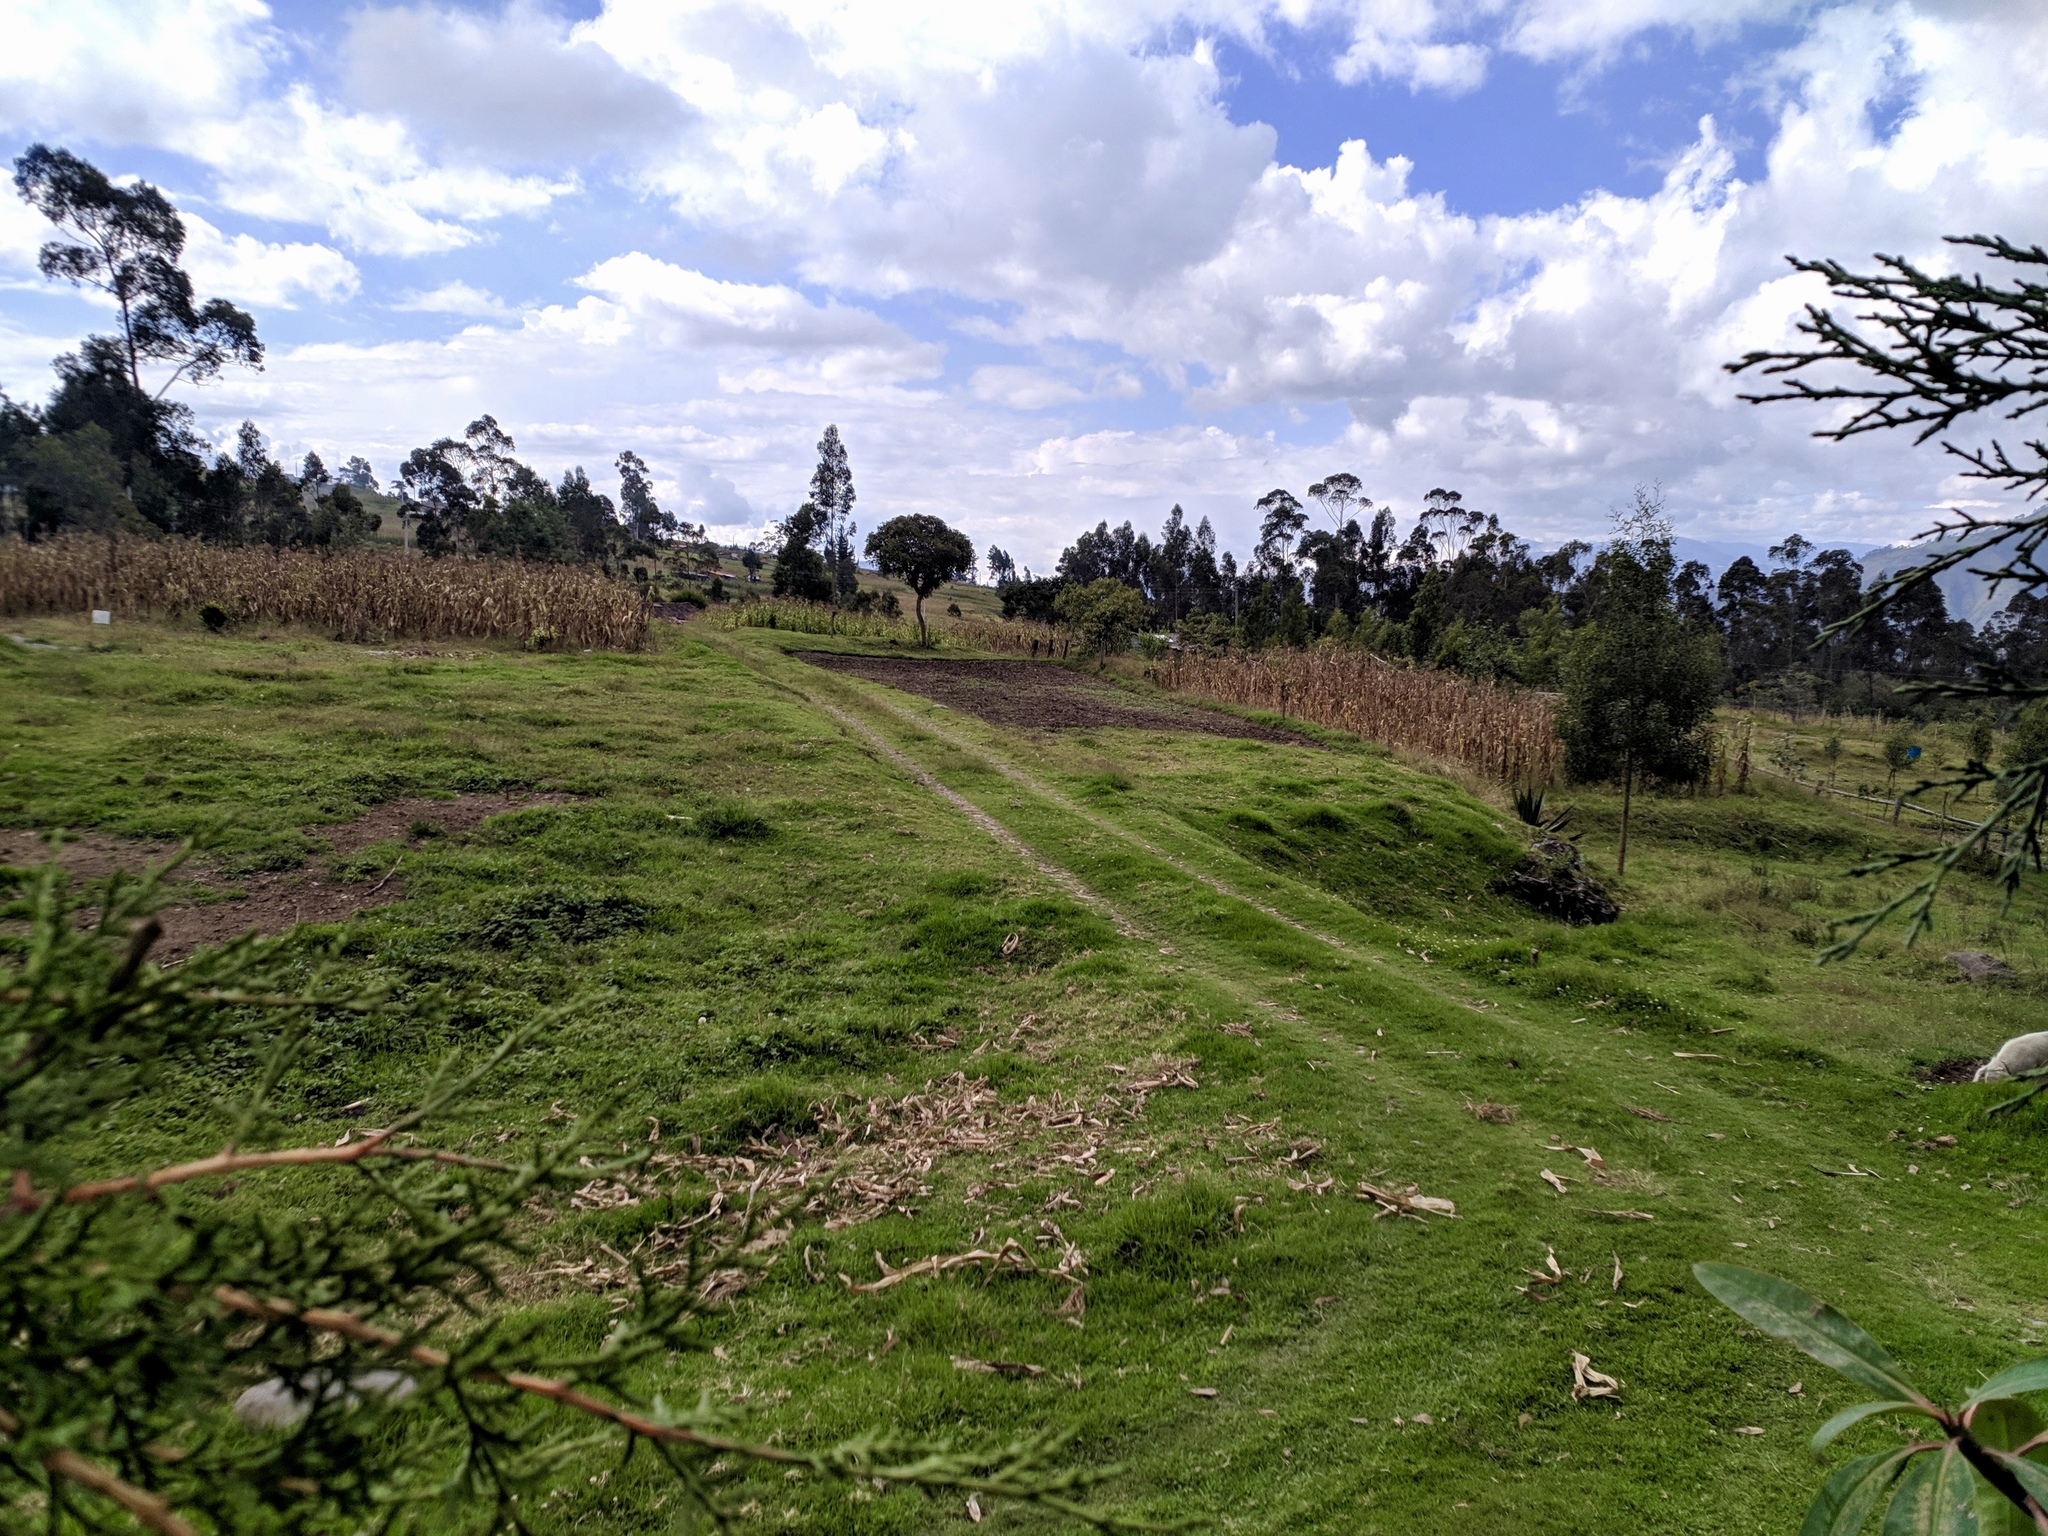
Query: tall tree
[[924, 554], [357, 474], [1640, 683], [128, 243], [1002, 570], [644, 518], [832, 494], [1280, 524]]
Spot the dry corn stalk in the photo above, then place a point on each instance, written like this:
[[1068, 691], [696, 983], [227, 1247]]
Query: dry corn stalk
[[1505, 733], [356, 595]]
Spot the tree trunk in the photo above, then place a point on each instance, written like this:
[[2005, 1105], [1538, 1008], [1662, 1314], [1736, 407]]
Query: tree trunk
[[921, 640], [1628, 780]]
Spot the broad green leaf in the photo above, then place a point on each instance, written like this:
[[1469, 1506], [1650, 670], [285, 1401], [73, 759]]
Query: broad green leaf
[[1850, 1417], [2028, 1376], [1845, 1503], [1813, 1327], [1936, 1497], [2033, 1476], [2004, 1423]]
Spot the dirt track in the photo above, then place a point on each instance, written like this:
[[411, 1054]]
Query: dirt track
[[1038, 696], [268, 901]]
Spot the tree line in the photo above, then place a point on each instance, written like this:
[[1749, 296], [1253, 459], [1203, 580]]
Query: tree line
[[111, 450], [1458, 590]]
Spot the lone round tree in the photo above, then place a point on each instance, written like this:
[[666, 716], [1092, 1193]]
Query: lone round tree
[[923, 553]]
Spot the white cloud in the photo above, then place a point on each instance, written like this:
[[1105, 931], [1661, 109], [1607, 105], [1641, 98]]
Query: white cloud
[[518, 88], [1061, 181], [453, 298], [253, 271]]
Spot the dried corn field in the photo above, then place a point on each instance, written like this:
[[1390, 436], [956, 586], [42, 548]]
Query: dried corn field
[[1504, 733], [355, 595]]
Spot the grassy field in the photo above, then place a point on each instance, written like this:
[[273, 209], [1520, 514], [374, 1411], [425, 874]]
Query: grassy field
[[1305, 931]]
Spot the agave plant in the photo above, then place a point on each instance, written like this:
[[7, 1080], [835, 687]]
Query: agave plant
[[1529, 809], [1980, 1470]]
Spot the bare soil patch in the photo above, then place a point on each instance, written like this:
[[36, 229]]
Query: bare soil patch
[[217, 907], [1950, 1069], [1040, 696]]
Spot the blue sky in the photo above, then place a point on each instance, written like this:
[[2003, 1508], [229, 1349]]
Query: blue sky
[[1052, 263]]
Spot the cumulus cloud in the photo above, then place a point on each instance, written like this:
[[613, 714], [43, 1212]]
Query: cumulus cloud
[[254, 271], [196, 77], [453, 298], [518, 88], [1064, 184]]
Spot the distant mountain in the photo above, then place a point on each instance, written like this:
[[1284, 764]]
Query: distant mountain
[[1968, 597], [1718, 554]]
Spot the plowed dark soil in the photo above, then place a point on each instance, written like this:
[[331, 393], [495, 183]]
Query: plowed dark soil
[[217, 907], [1039, 696]]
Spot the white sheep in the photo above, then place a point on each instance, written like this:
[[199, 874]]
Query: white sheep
[[2022, 1053]]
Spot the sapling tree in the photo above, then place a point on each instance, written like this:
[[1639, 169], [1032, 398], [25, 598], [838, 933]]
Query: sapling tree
[[924, 554], [396, 1378], [1104, 613], [1923, 353], [1980, 1467], [1641, 681]]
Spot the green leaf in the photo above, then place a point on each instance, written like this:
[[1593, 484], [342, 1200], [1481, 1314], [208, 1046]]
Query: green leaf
[[2027, 1376], [1813, 1327], [1850, 1417], [1846, 1501], [2004, 1423], [1936, 1497], [2032, 1474]]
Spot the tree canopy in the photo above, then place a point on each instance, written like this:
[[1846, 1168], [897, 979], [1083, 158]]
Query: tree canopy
[[923, 553]]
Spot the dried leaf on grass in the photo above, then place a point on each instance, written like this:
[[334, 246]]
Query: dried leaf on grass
[[1406, 1202], [1589, 1383], [997, 1367], [1647, 1114], [1013, 1257], [1492, 1113], [1552, 1180]]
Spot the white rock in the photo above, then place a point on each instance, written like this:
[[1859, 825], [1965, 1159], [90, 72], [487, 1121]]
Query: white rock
[[2022, 1053], [277, 1404]]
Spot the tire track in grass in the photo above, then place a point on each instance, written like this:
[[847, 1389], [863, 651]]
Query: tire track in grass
[[1058, 874]]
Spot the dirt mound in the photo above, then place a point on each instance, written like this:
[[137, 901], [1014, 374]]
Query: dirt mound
[[1039, 696], [217, 907], [1950, 1069], [1552, 878]]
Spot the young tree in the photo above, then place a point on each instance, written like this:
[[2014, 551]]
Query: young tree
[[833, 495], [127, 242], [800, 570], [923, 553], [1105, 613], [1925, 353], [750, 562], [1640, 683]]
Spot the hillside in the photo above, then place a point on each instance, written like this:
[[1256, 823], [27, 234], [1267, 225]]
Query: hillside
[[1169, 988]]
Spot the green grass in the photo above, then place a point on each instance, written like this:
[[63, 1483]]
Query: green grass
[[774, 911]]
